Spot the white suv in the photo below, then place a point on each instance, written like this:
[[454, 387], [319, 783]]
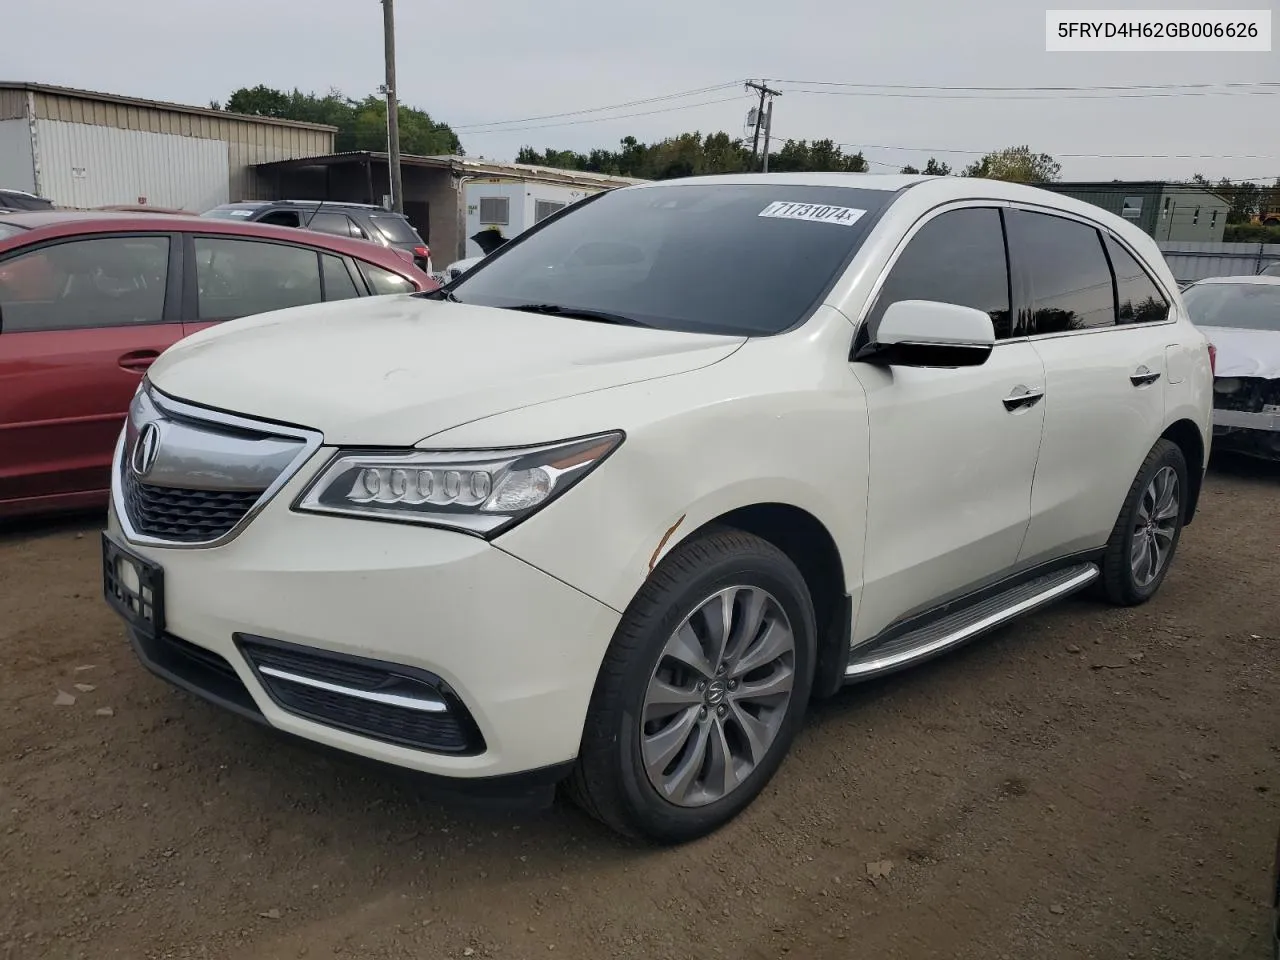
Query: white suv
[[616, 504]]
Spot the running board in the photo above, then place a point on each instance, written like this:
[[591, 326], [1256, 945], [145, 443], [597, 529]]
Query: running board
[[895, 652]]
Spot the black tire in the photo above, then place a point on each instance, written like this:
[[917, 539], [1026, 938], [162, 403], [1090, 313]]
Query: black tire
[[609, 781], [1119, 585]]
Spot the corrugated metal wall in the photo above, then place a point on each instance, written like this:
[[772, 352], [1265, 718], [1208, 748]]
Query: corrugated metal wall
[[17, 168], [246, 142], [82, 165], [13, 104], [1195, 261]]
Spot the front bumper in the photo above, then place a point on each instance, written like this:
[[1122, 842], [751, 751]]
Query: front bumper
[[1255, 434], [1241, 420], [517, 648]]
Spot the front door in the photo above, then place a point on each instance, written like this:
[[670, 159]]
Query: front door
[[952, 451], [1105, 374], [80, 322]]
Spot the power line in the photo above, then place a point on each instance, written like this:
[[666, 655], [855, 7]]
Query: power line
[[620, 116], [614, 106], [1134, 86], [871, 89], [1034, 96], [1068, 156]]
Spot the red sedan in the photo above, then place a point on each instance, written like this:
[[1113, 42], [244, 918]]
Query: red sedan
[[89, 299]]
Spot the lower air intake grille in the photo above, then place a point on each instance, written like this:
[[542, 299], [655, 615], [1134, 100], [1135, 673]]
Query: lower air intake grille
[[344, 692], [184, 516]]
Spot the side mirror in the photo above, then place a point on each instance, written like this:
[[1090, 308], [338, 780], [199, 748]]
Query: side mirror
[[925, 333]]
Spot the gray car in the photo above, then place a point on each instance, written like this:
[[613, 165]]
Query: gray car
[[359, 220]]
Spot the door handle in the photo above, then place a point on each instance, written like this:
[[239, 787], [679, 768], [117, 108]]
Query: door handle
[[138, 360], [1143, 377], [1022, 398]]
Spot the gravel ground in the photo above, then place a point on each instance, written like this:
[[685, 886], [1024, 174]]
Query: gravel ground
[[1090, 782]]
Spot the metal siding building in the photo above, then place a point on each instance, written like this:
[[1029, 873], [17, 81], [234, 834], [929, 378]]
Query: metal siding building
[[87, 149], [1164, 211]]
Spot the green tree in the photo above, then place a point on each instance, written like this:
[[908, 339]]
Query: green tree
[[1017, 164], [362, 124], [934, 168], [1245, 199]]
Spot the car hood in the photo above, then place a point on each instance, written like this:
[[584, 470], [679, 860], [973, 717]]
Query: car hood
[[393, 370], [1245, 353]]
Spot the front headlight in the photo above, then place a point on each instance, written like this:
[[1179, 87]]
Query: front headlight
[[477, 491]]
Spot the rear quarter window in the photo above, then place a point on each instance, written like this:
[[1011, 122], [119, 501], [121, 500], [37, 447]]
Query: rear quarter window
[[396, 229]]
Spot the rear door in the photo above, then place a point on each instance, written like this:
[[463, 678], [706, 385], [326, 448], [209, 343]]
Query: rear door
[[231, 277], [1105, 374], [81, 320]]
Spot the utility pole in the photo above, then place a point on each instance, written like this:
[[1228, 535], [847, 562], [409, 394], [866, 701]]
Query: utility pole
[[768, 129], [393, 110], [765, 91]]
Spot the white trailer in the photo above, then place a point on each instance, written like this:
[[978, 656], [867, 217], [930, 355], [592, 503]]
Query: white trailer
[[512, 205]]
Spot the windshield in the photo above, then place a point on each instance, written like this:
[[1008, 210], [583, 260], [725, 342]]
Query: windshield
[[396, 229], [1249, 306], [739, 259]]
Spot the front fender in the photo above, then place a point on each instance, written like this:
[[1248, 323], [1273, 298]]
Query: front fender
[[698, 446]]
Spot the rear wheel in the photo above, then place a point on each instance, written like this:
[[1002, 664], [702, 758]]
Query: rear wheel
[[702, 691], [1147, 532]]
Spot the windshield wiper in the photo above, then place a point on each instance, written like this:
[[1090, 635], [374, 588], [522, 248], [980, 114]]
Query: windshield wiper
[[582, 313], [439, 293]]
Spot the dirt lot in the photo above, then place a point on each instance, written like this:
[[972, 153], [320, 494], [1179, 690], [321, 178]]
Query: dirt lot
[[1088, 783]]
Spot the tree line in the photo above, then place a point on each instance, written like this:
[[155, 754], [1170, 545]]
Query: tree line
[[362, 124]]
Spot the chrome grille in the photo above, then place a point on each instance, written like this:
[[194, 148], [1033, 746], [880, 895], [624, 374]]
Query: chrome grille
[[184, 516], [187, 476]]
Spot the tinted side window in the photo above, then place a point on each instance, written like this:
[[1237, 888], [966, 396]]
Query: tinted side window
[[282, 218], [1138, 299], [396, 229], [337, 224], [105, 282], [384, 281], [957, 257], [356, 230], [1066, 278], [338, 284], [236, 278]]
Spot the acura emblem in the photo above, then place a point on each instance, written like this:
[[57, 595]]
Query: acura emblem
[[145, 449]]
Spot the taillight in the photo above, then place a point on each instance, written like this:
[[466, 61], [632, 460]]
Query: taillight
[[1213, 359], [423, 252]]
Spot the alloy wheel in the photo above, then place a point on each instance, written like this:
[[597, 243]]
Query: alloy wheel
[[1154, 527], [718, 696]]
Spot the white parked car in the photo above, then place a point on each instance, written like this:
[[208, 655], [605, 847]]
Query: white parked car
[[616, 507], [1241, 318]]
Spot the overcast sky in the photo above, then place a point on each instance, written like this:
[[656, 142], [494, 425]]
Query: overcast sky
[[511, 59]]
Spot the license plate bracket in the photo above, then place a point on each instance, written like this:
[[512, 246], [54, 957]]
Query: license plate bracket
[[134, 587]]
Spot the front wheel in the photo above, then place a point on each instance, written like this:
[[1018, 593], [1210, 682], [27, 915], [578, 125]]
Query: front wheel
[[702, 691], [1147, 531]]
